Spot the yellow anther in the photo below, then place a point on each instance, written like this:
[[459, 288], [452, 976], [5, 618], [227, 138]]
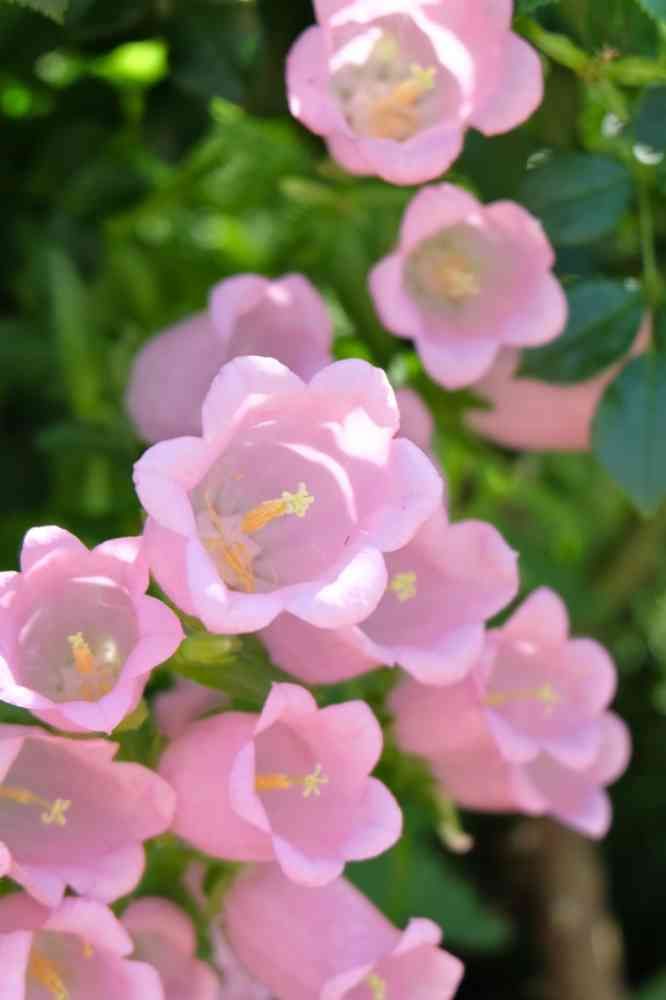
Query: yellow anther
[[377, 987], [396, 114], [403, 585], [54, 812], [234, 556], [311, 783], [84, 661], [88, 950], [289, 503], [45, 972], [546, 694]]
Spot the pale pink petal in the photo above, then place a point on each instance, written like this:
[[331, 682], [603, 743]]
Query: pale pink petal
[[519, 93], [40, 542]]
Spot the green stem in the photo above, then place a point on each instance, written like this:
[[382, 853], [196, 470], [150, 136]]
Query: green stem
[[559, 48]]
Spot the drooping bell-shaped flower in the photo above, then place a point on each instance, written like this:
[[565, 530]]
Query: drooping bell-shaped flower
[[71, 816], [247, 314], [292, 784], [288, 500], [393, 85], [331, 942], [442, 587], [467, 279], [74, 952], [533, 688], [78, 634], [163, 935]]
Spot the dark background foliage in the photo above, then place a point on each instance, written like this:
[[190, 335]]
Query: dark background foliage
[[147, 153]]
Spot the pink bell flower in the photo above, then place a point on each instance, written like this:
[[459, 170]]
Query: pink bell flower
[[163, 935], [288, 501], [78, 635], [533, 688], [393, 85], [466, 280], [71, 816], [443, 586], [332, 943], [75, 952], [291, 784], [247, 314], [540, 416]]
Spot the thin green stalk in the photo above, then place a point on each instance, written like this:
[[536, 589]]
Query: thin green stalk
[[653, 283]]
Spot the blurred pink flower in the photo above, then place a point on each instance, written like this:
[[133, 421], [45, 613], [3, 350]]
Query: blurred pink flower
[[466, 280], [541, 416], [78, 635], [481, 778], [185, 702], [71, 816], [75, 952], [237, 984], [534, 688], [443, 586], [416, 423], [393, 85], [284, 319], [163, 936], [291, 784], [332, 943], [288, 500]]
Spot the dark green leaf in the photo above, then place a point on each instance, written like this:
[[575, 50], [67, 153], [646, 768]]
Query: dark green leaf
[[528, 6], [655, 990], [650, 120], [604, 317], [624, 25], [578, 197], [629, 432], [55, 9]]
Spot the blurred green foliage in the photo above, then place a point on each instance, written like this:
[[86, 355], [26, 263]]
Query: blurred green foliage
[[147, 155]]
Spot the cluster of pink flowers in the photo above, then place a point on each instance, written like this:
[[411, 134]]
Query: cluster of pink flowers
[[298, 498]]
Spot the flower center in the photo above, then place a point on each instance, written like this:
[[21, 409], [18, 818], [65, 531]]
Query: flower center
[[53, 812], [448, 274], [383, 96], [95, 678], [377, 986], [45, 972], [234, 558], [403, 585], [311, 783], [546, 694]]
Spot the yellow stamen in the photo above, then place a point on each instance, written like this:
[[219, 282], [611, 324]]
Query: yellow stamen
[[45, 972], [395, 115], [452, 275], [403, 585], [235, 555], [377, 986], [545, 694], [54, 812], [289, 503], [84, 661], [88, 950], [311, 783]]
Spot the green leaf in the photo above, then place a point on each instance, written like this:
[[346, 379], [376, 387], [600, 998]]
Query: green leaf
[[654, 8], [55, 9], [578, 197], [655, 989], [604, 317], [650, 121], [629, 432], [627, 26]]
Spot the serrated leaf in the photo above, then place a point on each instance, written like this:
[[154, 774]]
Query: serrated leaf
[[55, 9], [578, 197], [604, 318], [629, 431], [654, 8]]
